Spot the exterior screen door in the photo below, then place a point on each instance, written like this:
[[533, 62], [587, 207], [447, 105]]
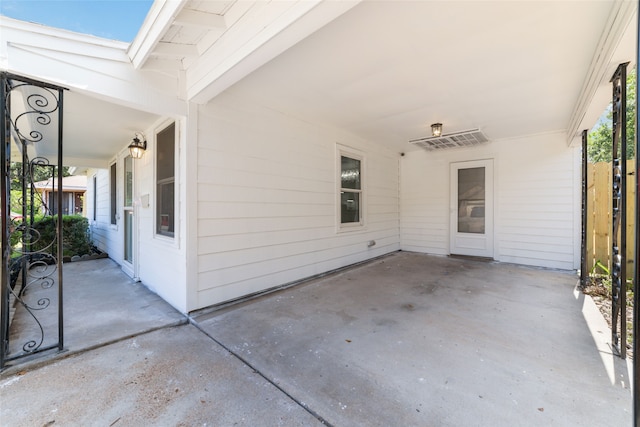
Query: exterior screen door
[[472, 208]]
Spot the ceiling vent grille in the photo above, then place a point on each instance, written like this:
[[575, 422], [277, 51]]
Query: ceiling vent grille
[[468, 138]]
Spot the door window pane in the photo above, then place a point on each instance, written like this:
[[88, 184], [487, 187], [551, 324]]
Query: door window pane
[[128, 236], [128, 209], [128, 181], [471, 200]]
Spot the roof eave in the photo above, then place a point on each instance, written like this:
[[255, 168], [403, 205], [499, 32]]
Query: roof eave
[[62, 34], [230, 60], [614, 48], [158, 20]]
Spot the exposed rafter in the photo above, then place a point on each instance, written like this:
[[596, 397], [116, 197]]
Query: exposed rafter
[[163, 64], [177, 50], [189, 17]]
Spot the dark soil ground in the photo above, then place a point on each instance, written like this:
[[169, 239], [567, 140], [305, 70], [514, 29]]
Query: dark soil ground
[[599, 289]]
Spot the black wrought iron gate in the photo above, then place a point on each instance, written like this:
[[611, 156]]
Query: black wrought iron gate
[[31, 315], [619, 216]]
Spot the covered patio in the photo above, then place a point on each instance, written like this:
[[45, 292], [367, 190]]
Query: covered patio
[[101, 306], [268, 114], [406, 339]]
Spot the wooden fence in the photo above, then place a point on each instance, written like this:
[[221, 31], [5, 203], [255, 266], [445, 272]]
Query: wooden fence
[[599, 216]]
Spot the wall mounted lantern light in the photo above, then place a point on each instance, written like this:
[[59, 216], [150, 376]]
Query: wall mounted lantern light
[[436, 129], [138, 146]]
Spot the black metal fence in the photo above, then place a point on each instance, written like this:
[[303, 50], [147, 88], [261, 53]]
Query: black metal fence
[[31, 306]]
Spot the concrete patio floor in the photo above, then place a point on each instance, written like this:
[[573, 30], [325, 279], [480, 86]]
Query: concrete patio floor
[[101, 305], [408, 339]]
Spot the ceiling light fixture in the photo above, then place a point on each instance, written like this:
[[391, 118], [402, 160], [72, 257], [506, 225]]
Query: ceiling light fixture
[[436, 129]]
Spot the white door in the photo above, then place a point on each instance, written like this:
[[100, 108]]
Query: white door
[[472, 208]]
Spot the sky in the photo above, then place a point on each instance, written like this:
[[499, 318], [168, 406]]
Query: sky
[[111, 19]]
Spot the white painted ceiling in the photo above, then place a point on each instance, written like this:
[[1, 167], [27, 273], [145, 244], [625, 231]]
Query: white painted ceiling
[[386, 70], [97, 129], [94, 130]]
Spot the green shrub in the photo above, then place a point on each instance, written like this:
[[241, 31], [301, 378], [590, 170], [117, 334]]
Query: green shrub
[[75, 238]]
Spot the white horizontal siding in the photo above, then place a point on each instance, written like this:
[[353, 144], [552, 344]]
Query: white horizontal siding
[[233, 226], [283, 276], [424, 197], [103, 233], [535, 200], [161, 260], [267, 201]]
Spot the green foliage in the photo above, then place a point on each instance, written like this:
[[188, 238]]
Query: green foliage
[[600, 138], [40, 173], [16, 203], [600, 265], [75, 237]]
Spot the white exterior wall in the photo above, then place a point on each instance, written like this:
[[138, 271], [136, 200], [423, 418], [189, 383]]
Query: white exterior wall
[[104, 234], [160, 261], [262, 209], [536, 200], [267, 201]]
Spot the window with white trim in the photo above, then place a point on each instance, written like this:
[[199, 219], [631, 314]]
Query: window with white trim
[[112, 194], [351, 190], [95, 198], [165, 181]]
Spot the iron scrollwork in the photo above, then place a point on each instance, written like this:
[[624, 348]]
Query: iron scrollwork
[[618, 212], [31, 259]]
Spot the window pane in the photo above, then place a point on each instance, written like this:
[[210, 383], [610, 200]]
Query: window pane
[[78, 202], [165, 177], [112, 179], [471, 197], [165, 209], [166, 153], [53, 203], [349, 207], [128, 181], [95, 197], [350, 173]]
